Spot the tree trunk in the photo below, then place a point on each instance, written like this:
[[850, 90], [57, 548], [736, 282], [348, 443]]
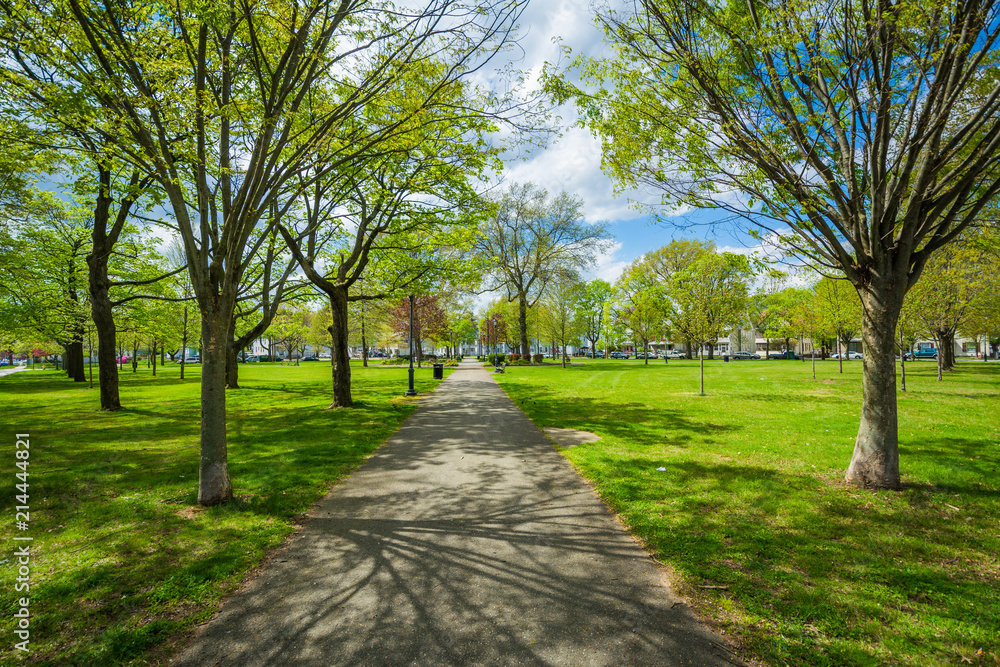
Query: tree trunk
[[840, 353], [711, 351], [76, 369], [902, 363], [107, 333], [701, 357], [232, 367], [152, 356], [364, 340], [184, 342], [340, 357], [939, 359], [875, 463], [522, 320], [947, 351], [214, 486]]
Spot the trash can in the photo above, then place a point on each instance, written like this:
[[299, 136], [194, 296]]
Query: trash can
[[438, 371], [725, 358]]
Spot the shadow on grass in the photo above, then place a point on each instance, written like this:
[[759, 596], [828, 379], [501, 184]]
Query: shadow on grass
[[822, 557], [124, 557], [641, 423]]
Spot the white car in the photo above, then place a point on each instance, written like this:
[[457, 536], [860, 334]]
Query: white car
[[674, 354], [848, 355]]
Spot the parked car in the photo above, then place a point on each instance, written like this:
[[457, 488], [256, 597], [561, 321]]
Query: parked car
[[599, 354], [847, 355], [674, 354], [618, 355], [646, 355], [190, 359], [744, 355], [923, 353], [787, 354], [377, 354], [309, 358]]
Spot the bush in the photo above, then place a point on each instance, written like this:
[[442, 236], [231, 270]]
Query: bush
[[537, 358], [521, 362], [396, 361], [458, 357], [515, 357], [495, 359]]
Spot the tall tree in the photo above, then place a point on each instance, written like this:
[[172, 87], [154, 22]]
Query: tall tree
[[669, 260], [869, 129], [708, 297], [561, 305], [531, 240], [403, 219], [640, 302], [840, 307], [593, 306], [950, 293]]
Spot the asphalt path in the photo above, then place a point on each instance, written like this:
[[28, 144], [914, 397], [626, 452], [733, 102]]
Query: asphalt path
[[466, 539]]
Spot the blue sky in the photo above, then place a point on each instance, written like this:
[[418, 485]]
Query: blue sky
[[572, 162]]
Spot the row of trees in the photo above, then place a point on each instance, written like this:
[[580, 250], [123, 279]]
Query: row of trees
[[686, 292], [334, 143]]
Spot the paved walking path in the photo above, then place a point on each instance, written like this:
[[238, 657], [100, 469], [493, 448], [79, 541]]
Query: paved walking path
[[465, 540]]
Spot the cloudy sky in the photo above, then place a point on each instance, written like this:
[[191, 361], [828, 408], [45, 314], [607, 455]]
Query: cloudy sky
[[572, 162]]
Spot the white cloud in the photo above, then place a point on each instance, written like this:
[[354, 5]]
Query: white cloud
[[609, 266]]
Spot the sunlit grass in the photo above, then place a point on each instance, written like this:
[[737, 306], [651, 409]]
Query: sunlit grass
[[122, 557], [751, 499]]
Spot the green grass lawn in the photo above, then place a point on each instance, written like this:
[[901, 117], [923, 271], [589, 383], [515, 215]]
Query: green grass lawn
[[123, 560], [806, 571]]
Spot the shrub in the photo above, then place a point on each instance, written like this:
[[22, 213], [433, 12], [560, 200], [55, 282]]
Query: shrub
[[495, 359], [536, 358], [515, 357]]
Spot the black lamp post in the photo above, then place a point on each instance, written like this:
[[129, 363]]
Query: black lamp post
[[411, 391], [496, 346]]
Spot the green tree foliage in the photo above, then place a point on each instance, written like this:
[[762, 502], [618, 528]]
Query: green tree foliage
[[763, 311], [559, 314], [708, 297], [951, 294], [669, 260], [43, 278], [640, 302], [592, 310], [290, 329], [841, 310]]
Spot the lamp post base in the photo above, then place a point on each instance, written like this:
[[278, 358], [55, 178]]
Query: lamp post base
[[411, 391]]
